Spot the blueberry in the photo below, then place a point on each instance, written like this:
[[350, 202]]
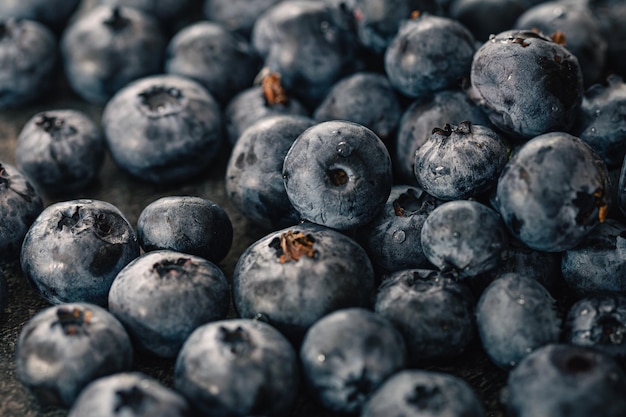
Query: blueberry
[[515, 315], [63, 348], [464, 237], [459, 162], [238, 367], [428, 54], [52, 13], [108, 47], [61, 150], [486, 17], [74, 250], [163, 296], [527, 84], [254, 180], [338, 174], [20, 204], [163, 128], [553, 191], [4, 293], [168, 12], [563, 380], [433, 312], [236, 15], [295, 276], [28, 53], [188, 224], [420, 393], [132, 394], [610, 16], [347, 355]]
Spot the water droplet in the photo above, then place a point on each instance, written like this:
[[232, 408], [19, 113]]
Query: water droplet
[[321, 357], [439, 169], [521, 301], [456, 234], [399, 236], [598, 112], [554, 108], [344, 149], [509, 77], [593, 130], [584, 312]]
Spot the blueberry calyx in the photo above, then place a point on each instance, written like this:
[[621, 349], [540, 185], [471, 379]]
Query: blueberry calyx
[[6, 183], [292, 245], [133, 398], [5, 178], [338, 177], [73, 320], [54, 126], [117, 22], [273, 90], [160, 100], [407, 204], [442, 133], [167, 268], [238, 340], [578, 364], [588, 203], [425, 397], [360, 387], [558, 37], [611, 331], [69, 221]]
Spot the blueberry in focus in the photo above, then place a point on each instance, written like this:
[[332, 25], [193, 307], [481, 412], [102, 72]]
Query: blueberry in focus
[[187, 224], [347, 355], [63, 348], [60, 150], [238, 367], [338, 174], [74, 250], [132, 394], [163, 128]]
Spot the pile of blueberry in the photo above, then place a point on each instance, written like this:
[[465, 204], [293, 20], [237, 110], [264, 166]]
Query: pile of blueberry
[[431, 178]]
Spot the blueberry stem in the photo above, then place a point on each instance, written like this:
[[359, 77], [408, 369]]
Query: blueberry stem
[[116, 21]]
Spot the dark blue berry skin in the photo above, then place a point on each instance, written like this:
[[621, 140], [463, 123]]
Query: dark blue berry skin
[[515, 315], [433, 312], [163, 296], [527, 84], [254, 175], [108, 47], [252, 105], [419, 120], [365, 98], [464, 237], [20, 204], [238, 368], [583, 36], [393, 239], [553, 191], [163, 128], [419, 393], [187, 224], [599, 322], [295, 276], [338, 174], [131, 394], [4, 293], [486, 17], [236, 15], [598, 263], [561, 380], [347, 355], [63, 348], [221, 60], [429, 54], [168, 12], [28, 57], [603, 120], [53, 14], [459, 162], [60, 150], [74, 250]]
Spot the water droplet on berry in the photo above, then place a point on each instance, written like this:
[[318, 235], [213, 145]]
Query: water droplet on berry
[[399, 236], [456, 234], [584, 312], [554, 108], [521, 300], [509, 77], [593, 130], [321, 357], [344, 149], [598, 113]]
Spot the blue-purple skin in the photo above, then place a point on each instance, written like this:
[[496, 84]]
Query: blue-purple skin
[[52, 13], [365, 98], [236, 15], [252, 105], [429, 54], [433, 312], [603, 120], [163, 296], [63, 348], [486, 17], [295, 276], [4, 293], [238, 367], [221, 60], [131, 394], [516, 315], [583, 36], [60, 150], [168, 12], [562, 380], [421, 393], [393, 239], [610, 16], [163, 129], [553, 191], [74, 250], [108, 47], [188, 224], [347, 355], [254, 175], [459, 162], [464, 237], [598, 263], [338, 174], [419, 120], [527, 84], [20, 204], [28, 57]]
